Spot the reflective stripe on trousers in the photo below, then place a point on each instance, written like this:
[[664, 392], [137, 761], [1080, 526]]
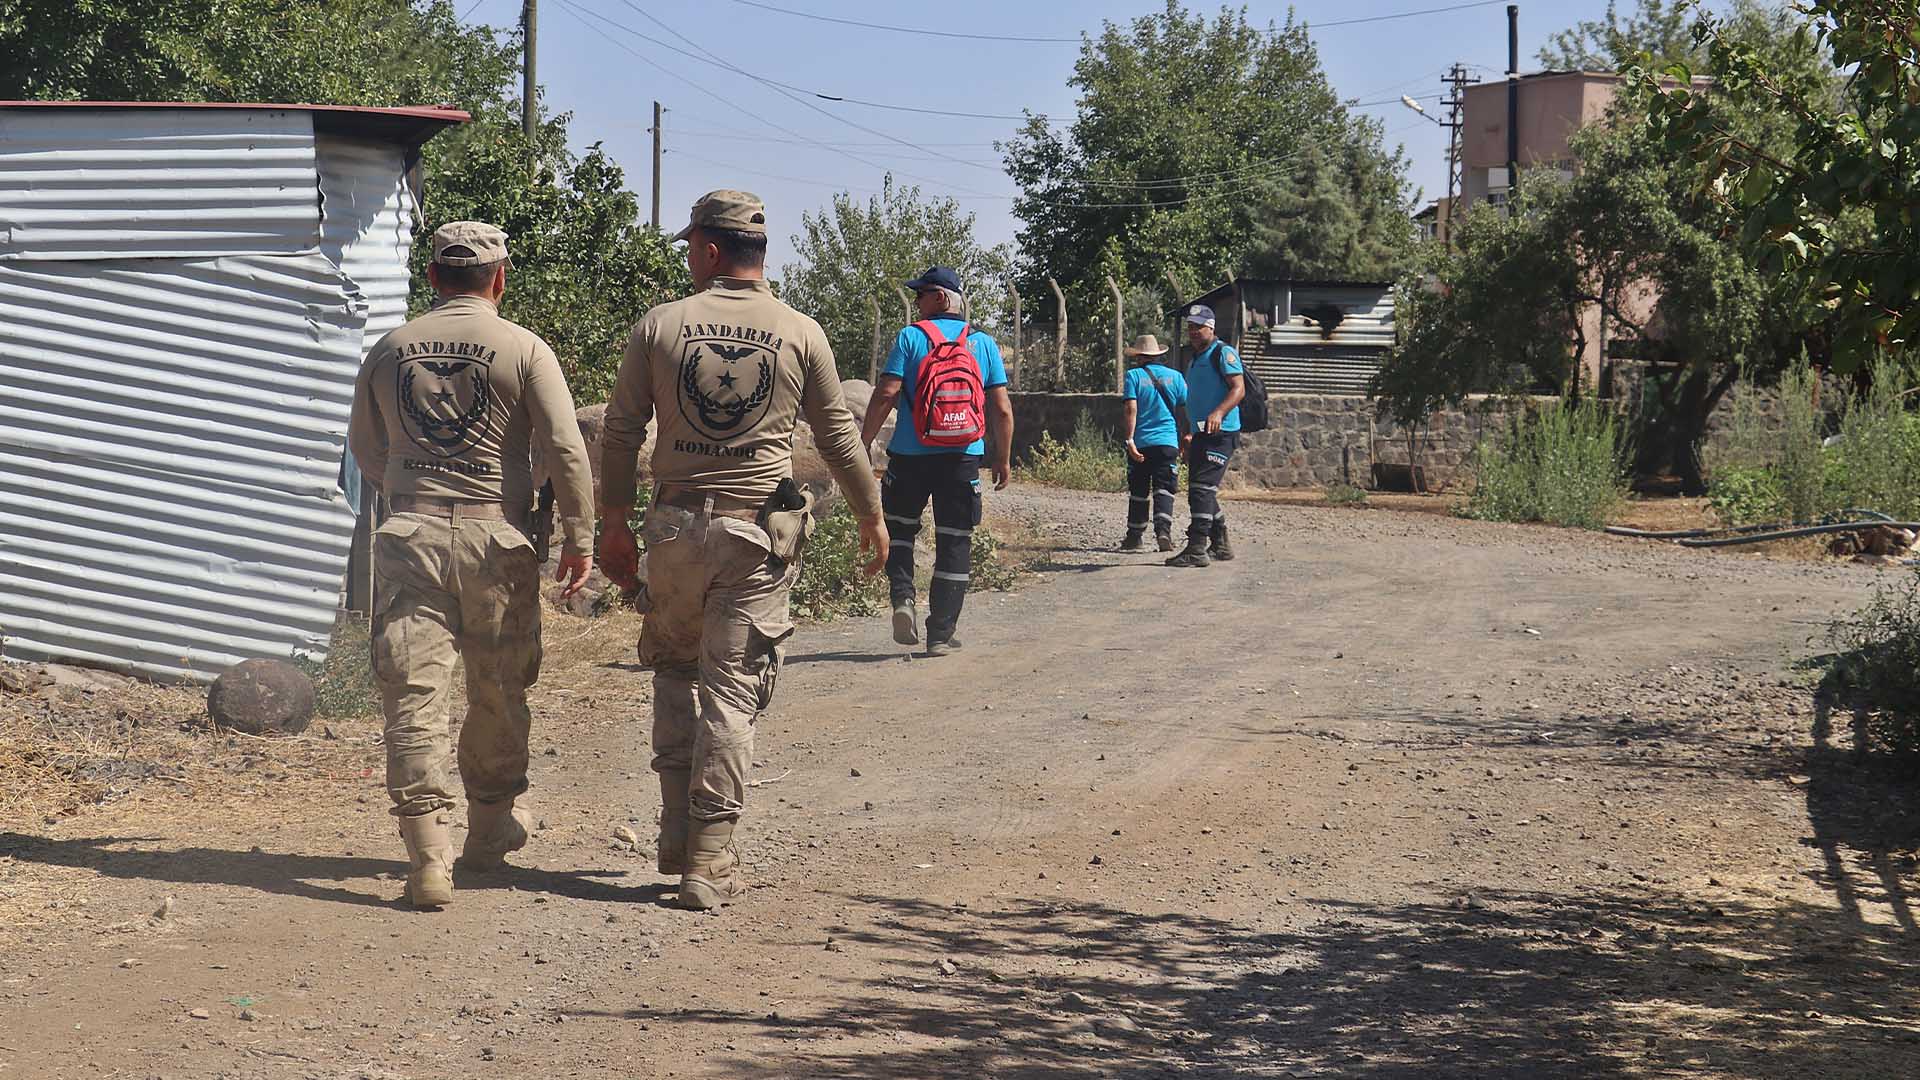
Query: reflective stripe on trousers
[[952, 483], [1152, 483], [1207, 459]]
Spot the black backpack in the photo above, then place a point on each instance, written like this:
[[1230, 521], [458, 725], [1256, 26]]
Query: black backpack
[[1253, 406]]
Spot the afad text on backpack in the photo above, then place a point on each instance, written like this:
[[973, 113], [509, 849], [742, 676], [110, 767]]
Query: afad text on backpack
[[950, 401]]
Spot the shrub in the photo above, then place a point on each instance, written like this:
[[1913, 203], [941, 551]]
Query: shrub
[[1088, 461], [1746, 495], [1877, 669], [990, 572], [1563, 466], [1877, 460], [1345, 495], [343, 686], [832, 582], [1799, 462]]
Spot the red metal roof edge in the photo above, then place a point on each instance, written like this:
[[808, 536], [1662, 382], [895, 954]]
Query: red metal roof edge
[[444, 113]]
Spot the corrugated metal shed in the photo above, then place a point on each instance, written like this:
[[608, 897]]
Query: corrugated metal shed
[[172, 420], [1306, 337]]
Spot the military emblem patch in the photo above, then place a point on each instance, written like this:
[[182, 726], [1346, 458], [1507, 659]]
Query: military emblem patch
[[725, 386], [444, 402]]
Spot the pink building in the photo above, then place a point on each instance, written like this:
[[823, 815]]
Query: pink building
[[1552, 106]]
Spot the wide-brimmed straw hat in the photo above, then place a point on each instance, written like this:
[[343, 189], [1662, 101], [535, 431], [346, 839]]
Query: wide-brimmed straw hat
[[1147, 345]]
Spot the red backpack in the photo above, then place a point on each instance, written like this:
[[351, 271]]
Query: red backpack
[[950, 401]]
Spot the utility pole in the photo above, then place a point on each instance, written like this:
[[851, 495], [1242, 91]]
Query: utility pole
[[1456, 82], [657, 112], [530, 32], [1513, 105]]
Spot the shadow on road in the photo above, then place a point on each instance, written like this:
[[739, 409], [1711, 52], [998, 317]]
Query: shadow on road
[[844, 657], [1517, 984], [301, 876]]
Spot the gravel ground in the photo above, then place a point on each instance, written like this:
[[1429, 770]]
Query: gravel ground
[[1391, 795]]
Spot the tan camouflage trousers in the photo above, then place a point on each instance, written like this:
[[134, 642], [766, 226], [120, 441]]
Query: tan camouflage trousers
[[712, 638], [449, 587]]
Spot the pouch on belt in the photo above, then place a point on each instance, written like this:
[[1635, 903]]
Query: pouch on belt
[[787, 519]]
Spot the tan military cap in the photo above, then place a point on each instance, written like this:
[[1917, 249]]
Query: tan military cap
[[741, 211], [469, 243]]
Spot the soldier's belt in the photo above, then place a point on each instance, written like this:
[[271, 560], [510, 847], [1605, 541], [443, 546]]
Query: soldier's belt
[[723, 505], [457, 509]]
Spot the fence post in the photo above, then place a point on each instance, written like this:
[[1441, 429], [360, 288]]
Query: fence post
[[1015, 293], [1119, 339], [1060, 336], [906, 304], [879, 342]]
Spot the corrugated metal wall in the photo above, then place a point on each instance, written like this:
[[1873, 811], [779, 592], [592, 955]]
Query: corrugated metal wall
[[171, 429], [162, 183], [368, 225]]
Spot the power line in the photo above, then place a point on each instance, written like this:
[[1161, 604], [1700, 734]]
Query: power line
[[1310, 25], [1306, 24], [580, 13], [727, 137], [716, 61], [907, 29], [790, 92], [730, 133], [1167, 204]]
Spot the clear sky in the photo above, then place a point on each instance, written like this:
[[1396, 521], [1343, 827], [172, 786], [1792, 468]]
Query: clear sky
[[724, 129]]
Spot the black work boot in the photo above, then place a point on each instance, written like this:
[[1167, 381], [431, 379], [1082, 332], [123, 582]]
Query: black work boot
[[1194, 555], [1163, 540], [1136, 539], [1221, 549]]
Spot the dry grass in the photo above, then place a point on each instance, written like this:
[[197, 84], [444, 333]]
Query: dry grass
[[1446, 505], [143, 750], [147, 755]]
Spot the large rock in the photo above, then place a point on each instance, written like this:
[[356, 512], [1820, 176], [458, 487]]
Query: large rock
[[262, 697]]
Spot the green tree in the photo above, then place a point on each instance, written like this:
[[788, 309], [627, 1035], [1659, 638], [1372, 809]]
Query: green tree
[[1833, 208], [853, 255], [1190, 133], [585, 269], [1610, 43], [1501, 312], [1336, 213]]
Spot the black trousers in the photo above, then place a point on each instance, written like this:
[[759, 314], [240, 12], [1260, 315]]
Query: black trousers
[[1152, 482], [1207, 459], [952, 483]]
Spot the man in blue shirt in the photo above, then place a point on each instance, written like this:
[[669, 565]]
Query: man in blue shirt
[[1215, 384], [949, 476], [1154, 393]]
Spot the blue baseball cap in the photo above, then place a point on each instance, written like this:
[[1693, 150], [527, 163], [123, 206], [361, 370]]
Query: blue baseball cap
[[1200, 315], [937, 277]]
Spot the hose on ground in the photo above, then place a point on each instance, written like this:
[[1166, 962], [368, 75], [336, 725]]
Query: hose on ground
[[1788, 534], [1772, 530]]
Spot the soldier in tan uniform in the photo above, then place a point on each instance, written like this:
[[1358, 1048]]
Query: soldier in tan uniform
[[447, 413], [725, 372]]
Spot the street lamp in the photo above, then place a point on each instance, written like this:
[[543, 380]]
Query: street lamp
[[1421, 109]]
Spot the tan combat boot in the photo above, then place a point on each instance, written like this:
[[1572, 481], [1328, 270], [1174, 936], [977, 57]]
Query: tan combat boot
[[712, 877], [493, 829], [429, 859], [672, 855]]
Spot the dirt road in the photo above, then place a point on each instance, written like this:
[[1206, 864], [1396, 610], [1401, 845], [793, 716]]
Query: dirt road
[[1389, 796]]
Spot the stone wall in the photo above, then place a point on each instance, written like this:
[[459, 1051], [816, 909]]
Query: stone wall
[[1056, 415], [1314, 440]]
